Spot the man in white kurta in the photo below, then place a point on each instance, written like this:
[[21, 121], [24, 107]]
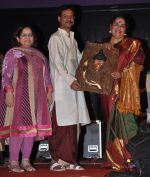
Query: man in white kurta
[[69, 102]]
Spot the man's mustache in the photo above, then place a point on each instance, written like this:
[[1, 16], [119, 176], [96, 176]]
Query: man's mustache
[[69, 22]]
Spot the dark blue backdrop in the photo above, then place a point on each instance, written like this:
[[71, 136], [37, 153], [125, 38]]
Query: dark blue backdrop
[[55, 3]]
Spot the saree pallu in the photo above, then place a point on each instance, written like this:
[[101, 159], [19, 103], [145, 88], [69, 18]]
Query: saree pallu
[[129, 98]]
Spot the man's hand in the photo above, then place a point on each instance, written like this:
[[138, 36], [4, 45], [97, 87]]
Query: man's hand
[[75, 86], [9, 100]]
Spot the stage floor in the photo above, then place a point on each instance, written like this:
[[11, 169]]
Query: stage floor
[[42, 170]]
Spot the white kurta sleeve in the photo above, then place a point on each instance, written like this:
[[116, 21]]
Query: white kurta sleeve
[[56, 56], [79, 54]]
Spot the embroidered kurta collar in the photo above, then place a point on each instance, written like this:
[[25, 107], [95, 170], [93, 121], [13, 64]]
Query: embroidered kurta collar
[[71, 34]]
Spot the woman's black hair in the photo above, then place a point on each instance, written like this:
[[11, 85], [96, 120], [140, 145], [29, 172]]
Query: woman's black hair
[[17, 33], [120, 16]]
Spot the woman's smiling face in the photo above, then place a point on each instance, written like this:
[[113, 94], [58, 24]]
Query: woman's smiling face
[[118, 28], [26, 38]]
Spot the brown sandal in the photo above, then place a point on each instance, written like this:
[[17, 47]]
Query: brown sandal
[[26, 165], [14, 167]]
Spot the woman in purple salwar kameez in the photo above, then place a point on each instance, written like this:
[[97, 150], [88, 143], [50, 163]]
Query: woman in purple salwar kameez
[[25, 98]]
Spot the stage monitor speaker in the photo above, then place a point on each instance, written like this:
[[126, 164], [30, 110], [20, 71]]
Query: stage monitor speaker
[[145, 128], [43, 150], [92, 146], [139, 147]]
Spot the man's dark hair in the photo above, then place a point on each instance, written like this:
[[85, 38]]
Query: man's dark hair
[[65, 7]]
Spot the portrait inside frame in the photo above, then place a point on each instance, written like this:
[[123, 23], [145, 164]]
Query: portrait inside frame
[[95, 68]]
